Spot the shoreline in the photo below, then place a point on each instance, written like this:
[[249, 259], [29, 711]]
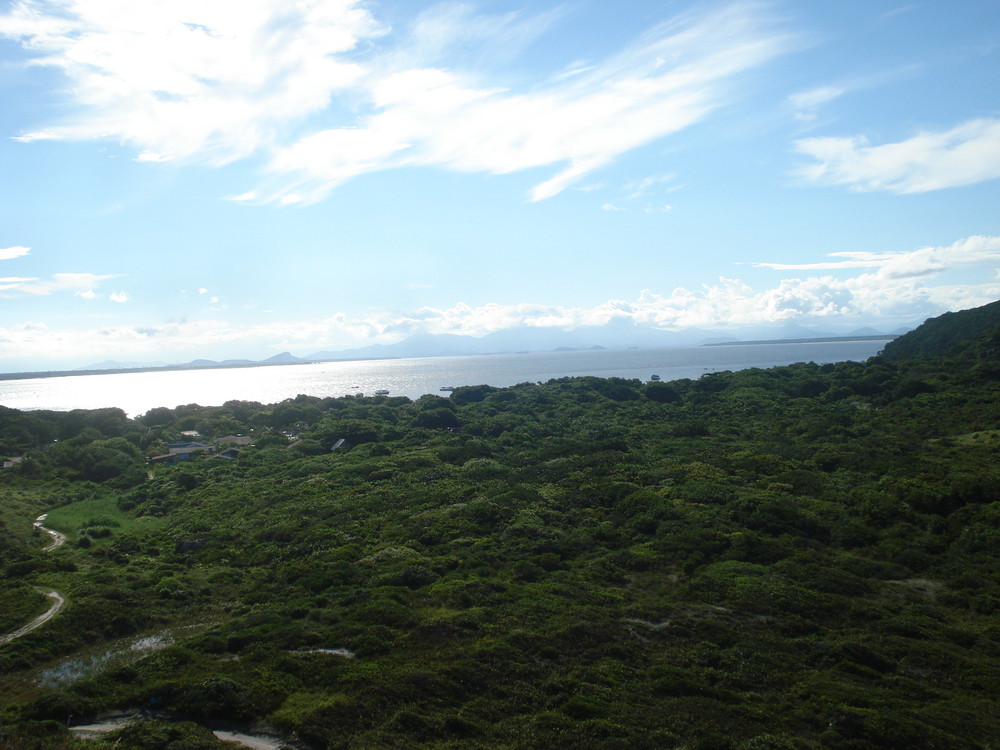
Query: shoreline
[[816, 340]]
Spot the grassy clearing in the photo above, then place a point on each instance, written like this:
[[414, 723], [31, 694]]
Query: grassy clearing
[[93, 512], [981, 438]]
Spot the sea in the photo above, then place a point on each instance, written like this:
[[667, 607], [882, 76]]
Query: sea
[[138, 392]]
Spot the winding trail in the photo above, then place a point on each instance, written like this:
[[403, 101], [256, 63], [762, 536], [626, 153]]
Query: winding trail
[[58, 600], [58, 540], [57, 604], [113, 722]]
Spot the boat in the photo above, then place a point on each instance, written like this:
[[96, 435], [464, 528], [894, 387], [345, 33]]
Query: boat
[[382, 393], [654, 377], [446, 388]]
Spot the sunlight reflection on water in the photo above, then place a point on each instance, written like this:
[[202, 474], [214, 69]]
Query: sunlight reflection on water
[[138, 392]]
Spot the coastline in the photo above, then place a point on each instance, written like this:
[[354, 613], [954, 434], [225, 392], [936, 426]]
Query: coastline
[[817, 340]]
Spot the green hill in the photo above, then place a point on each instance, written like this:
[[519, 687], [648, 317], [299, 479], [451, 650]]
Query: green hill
[[800, 557], [977, 331]]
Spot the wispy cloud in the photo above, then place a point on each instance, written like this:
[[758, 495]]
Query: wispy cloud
[[324, 93], [447, 30], [672, 77], [925, 261], [967, 154], [642, 188], [806, 104], [192, 78], [79, 283], [9, 253]]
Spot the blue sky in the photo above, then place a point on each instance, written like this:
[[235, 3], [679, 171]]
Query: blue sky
[[201, 178]]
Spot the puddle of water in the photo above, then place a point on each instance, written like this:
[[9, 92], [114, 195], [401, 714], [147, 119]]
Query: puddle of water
[[69, 671], [346, 653], [118, 653]]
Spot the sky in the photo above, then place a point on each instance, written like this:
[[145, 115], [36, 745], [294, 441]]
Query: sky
[[187, 179]]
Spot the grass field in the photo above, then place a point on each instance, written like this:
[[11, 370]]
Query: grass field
[[97, 511]]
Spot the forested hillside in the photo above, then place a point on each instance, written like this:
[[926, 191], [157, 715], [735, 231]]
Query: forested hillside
[[972, 333], [801, 557]]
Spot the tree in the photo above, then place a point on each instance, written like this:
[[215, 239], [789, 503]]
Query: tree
[[661, 393]]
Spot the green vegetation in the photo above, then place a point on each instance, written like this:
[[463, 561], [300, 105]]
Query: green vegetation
[[801, 557]]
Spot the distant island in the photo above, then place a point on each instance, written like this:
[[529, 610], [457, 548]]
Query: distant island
[[815, 340]]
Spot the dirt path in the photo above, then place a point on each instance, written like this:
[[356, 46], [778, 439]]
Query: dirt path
[[58, 600], [57, 603], [58, 540], [112, 723]]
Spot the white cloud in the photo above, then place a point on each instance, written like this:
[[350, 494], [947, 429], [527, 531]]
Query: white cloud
[[12, 282], [447, 30], [303, 83], [435, 117], [925, 261], [967, 154], [247, 197], [891, 288], [611, 207], [9, 253], [806, 104], [120, 297], [643, 187], [186, 78], [79, 283]]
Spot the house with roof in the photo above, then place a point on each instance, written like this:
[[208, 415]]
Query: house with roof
[[239, 440], [179, 452]]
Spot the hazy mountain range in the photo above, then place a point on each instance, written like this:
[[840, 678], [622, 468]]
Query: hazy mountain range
[[518, 340]]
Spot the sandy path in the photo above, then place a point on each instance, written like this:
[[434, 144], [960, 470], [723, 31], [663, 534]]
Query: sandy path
[[58, 540], [58, 600], [91, 731], [57, 603]]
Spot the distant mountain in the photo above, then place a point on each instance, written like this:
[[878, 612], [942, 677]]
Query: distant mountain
[[617, 335], [420, 345], [285, 358], [612, 336], [110, 364], [522, 339]]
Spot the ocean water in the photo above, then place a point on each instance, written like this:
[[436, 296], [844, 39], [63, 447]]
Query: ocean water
[[138, 392]]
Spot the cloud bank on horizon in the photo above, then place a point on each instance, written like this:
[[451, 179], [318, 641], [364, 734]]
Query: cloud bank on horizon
[[315, 174]]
